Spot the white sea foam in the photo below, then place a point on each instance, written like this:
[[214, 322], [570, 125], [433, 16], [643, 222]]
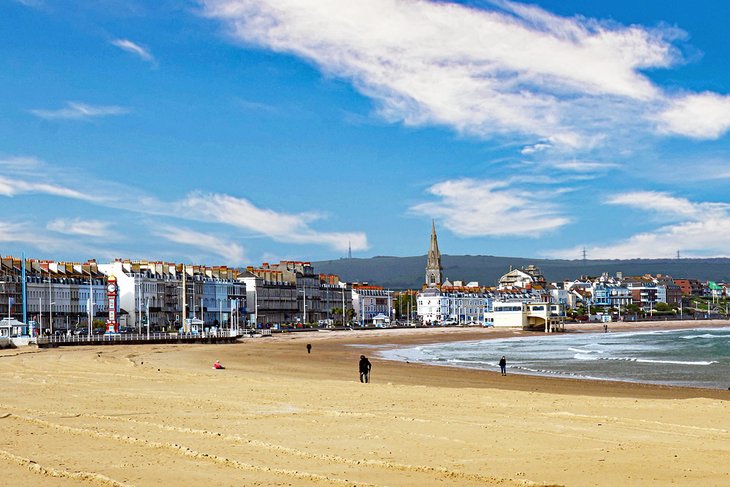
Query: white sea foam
[[706, 335], [583, 350], [654, 357], [653, 361]]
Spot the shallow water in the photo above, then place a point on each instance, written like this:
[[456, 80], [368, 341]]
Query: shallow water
[[694, 358]]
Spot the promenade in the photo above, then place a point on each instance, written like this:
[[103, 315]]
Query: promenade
[[54, 341]]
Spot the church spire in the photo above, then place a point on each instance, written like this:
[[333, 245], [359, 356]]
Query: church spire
[[433, 263]]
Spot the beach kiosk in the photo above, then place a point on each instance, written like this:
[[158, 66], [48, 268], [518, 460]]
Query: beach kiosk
[[10, 327], [381, 321]]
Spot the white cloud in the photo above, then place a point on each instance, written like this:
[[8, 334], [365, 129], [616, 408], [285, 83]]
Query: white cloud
[[14, 186], [134, 48], [79, 111], [34, 236], [668, 205], [512, 68], [20, 164], [474, 208], [231, 252], [583, 166], [206, 208], [15, 232], [700, 116], [695, 229], [535, 148], [83, 227], [282, 227]]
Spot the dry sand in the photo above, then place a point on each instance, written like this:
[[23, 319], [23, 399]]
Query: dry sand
[[160, 415]]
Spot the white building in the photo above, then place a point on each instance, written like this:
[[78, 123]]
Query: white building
[[525, 278], [435, 307], [531, 315], [370, 301]]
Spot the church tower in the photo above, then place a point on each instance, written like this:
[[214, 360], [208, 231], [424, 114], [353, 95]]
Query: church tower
[[434, 272]]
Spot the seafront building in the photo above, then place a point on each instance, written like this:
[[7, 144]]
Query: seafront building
[[152, 292], [520, 300], [468, 306], [529, 277], [291, 292], [372, 304], [63, 297], [59, 296]]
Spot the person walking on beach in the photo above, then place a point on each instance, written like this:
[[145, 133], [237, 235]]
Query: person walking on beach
[[365, 367], [309, 348], [503, 365]]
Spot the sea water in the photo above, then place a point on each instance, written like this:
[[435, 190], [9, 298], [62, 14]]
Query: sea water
[[693, 358]]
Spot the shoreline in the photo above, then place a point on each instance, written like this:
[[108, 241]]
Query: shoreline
[[143, 415], [351, 344]]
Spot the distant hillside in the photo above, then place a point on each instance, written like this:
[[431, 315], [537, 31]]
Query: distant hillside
[[408, 272]]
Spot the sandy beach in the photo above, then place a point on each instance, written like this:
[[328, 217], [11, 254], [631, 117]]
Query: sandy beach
[[161, 415]]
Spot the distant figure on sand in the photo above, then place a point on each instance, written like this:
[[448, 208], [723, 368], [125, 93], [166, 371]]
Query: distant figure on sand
[[503, 365], [365, 367], [605, 328], [309, 348], [218, 365]]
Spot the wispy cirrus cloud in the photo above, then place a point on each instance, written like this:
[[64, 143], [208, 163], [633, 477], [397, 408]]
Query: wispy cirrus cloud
[[282, 227], [80, 111], [477, 208], [583, 166], [142, 52], [504, 68], [83, 227], [696, 229], [213, 208], [35, 236], [231, 252], [13, 186]]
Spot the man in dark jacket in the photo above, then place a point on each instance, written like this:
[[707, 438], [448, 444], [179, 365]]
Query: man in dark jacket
[[503, 365], [365, 367]]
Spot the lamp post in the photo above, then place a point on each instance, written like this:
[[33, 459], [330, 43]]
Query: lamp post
[[147, 310], [91, 301], [138, 285], [50, 315], [50, 301]]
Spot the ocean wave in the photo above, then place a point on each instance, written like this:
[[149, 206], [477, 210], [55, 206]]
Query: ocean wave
[[583, 356], [653, 361], [706, 335], [531, 371], [583, 350]]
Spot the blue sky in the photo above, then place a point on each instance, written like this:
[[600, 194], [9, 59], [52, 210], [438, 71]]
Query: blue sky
[[240, 131]]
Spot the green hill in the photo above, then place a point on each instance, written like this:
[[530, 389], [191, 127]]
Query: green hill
[[408, 272]]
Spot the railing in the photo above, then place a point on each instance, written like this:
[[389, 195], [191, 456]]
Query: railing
[[129, 337]]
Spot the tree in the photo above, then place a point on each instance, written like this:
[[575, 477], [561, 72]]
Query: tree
[[336, 315], [402, 302]]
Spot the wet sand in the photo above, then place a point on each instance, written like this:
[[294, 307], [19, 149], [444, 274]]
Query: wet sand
[[154, 415]]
